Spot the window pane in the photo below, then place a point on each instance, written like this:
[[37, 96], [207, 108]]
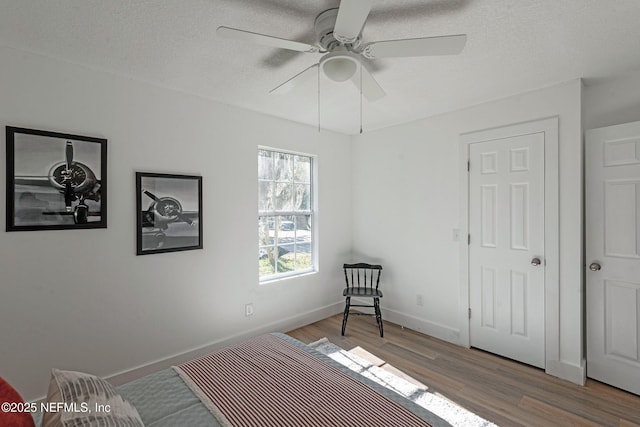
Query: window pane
[[286, 258], [283, 166], [303, 225], [302, 169], [303, 260], [284, 197], [265, 164], [302, 197], [266, 267], [265, 195], [265, 231], [266, 252], [286, 226], [303, 242]]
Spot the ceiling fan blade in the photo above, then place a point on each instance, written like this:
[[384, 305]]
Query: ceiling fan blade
[[426, 46], [350, 20], [370, 87], [233, 33], [295, 80]]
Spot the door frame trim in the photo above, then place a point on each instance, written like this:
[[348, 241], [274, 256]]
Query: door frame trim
[[548, 126]]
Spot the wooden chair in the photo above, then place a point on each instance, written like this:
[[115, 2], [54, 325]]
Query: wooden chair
[[362, 282]]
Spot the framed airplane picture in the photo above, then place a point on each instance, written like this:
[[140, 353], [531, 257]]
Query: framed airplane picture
[[55, 180], [169, 212]]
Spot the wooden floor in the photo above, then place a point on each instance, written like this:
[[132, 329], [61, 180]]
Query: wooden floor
[[505, 392]]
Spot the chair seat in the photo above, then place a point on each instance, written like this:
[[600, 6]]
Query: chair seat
[[361, 292]]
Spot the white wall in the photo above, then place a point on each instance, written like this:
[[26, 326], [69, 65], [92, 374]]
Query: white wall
[[82, 299], [406, 205]]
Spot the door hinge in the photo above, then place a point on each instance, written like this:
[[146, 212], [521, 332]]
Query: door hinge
[[468, 166], [468, 239], [469, 313]]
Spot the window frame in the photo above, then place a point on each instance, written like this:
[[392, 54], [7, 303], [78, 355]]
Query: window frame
[[275, 213]]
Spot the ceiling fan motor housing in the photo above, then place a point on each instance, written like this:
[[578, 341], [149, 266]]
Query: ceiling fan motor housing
[[324, 24]]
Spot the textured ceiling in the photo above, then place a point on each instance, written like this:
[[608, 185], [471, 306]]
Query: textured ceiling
[[512, 47]]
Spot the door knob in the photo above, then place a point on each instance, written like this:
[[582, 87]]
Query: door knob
[[594, 266], [536, 262]]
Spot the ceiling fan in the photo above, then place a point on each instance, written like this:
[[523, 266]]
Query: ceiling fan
[[338, 37]]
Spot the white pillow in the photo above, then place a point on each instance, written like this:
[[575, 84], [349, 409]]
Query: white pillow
[[86, 400]]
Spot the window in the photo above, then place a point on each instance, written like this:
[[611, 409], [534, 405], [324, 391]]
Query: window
[[285, 214]]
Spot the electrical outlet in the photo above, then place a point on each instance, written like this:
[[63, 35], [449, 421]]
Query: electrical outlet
[[248, 309], [419, 300]]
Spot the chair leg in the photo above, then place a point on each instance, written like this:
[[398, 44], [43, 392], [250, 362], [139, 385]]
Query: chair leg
[[345, 316], [376, 304]]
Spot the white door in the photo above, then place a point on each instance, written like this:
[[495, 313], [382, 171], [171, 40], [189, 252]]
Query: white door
[[506, 249], [612, 184]]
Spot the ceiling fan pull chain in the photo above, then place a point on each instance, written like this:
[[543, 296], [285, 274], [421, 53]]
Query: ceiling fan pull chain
[[361, 98], [318, 99]]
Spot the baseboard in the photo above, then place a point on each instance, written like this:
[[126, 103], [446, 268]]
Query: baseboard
[[426, 327], [281, 325], [566, 371]]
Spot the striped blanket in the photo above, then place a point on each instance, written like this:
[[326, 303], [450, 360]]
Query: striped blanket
[[267, 381]]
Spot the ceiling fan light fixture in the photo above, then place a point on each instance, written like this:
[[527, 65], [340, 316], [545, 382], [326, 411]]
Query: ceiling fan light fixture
[[339, 66]]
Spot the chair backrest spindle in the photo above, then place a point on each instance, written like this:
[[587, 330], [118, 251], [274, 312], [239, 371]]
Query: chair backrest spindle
[[370, 273]]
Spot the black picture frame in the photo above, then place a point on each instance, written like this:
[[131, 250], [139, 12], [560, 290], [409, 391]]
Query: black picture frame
[[168, 212], [55, 181]]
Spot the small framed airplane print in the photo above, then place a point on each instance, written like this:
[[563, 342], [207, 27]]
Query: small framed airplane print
[[169, 212], [55, 180]]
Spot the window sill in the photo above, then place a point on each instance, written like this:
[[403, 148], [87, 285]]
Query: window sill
[[285, 276]]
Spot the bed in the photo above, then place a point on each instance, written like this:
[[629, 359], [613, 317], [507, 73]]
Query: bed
[[270, 380]]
